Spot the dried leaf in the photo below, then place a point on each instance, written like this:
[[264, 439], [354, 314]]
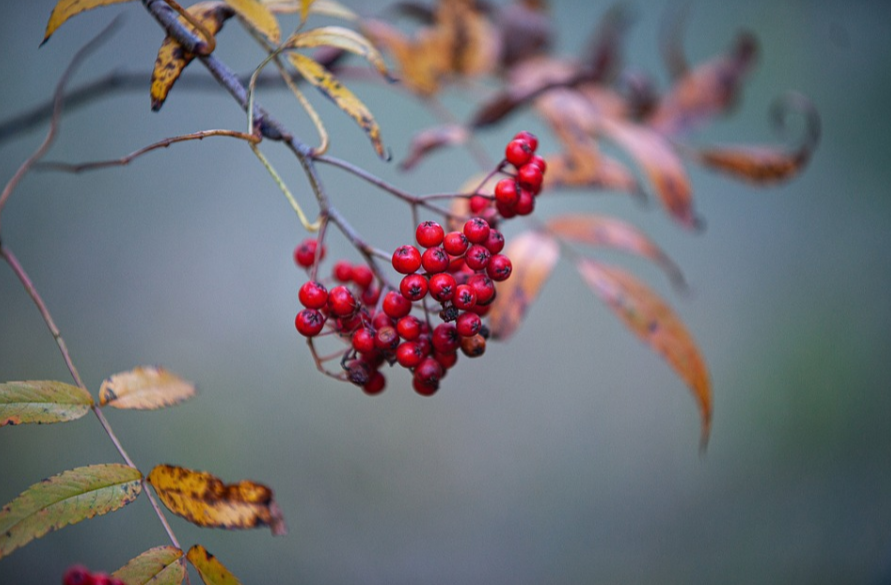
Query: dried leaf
[[172, 59], [430, 139], [341, 38], [212, 571], [162, 565], [67, 498], [42, 401], [533, 256], [203, 499], [706, 91], [323, 7], [602, 58], [65, 9], [526, 32], [257, 16], [329, 85], [659, 162], [145, 388], [599, 230], [648, 317], [422, 62]]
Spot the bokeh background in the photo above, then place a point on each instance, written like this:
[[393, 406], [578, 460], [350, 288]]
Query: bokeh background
[[569, 454]]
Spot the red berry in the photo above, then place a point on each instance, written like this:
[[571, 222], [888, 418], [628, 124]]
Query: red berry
[[442, 286], [305, 253], [506, 192], [530, 176], [309, 322], [375, 384], [409, 328], [341, 302], [101, 579], [381, 319], [530, 138], [464, 297], [362, 276], [484, 288], [477, 257], [363, 340], [518, 152], [370, 296], [406, 259], [473, 346], [446, 360], [429, 234], [495, 241], [77, 575], [313, 295], [358, 372], [455, 243], [499, 268], [409, 354], [506, 211], [539, 162], [395, 305], [426, 377], [468, 324], [445, 338], [386, 339], [435, 260], [413, 287], [342, 271], [476, 230], [477, 204], [526, 204]]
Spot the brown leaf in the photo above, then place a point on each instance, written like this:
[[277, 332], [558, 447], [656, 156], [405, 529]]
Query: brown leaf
[[648, 317], [525, 30], [212, 571], [145, 388], [599, 230], [602, 58], [172, 59], [533, 255], [430, 139], [65, 9], [203, 499]]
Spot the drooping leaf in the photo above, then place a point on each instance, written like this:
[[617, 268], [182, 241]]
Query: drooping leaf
[[304, 8], [67, 498], [705, 92], [659, 162], [212, 571], [145, 388], [257, 16], [648, 317], [172, 58], [533, 255], [599, 230], [162, 565], [422, 62], [65, 9], [331, 88], [42, 401], [203, 499], [323, 7], [431, 139], [341, 38]]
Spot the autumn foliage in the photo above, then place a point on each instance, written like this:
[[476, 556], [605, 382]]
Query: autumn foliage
[[401, 308]]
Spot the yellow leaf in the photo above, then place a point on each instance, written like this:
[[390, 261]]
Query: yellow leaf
[[212, 571], [162, 565], [203, 499], [342, 38], [324, 7], [304, 8], [65, 9], [258, 17], [145, 388], [648, 317], [172, 58], [533, 256], [318, 76]]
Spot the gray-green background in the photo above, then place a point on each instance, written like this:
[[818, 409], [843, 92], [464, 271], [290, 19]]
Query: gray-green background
[[567, 455]]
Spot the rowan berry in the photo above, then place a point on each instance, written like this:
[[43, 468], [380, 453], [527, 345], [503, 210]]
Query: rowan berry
[[526, 204], [477, 257], [455, 243], [375, 384], [518, 152], [313, 295], [428, 374], [409, 354], [409, 327], [382, 319], [476, 230], [499, 267], [435, 260], [529, 176], [358, 372], [468, 324], [395, 305], [464, 297], [539, 162], [442, 286], [424, 387], [386, 338], [309, 322], [530, 139], [413, 287], [341, 302], [350, 323], [370, 296], [506, 211], [342, 271], [483, 287], [406, 259], [473, 346], [495, 241], [77, 575], [445, 338], [446, 360], [429, 234], [506, 192], [363, 340], [477, 204], [362, 276], [305, 253]]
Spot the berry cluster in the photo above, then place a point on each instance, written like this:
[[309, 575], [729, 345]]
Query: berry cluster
[[80, 575], [515, 194]]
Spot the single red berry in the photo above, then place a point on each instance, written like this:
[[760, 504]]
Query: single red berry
[[530, 177], [409, 327], [406, 259], [423, 387], [481, 310], [427, 375], [362, 276], [530, 138], [518, 152], [526, 204], [468, 324], [477, 257], [309, 322], [342, 271], [539, 162], [499, 267], [425, 343], [464, 297], [77, 575], [446, 360], [305, 253], [429, 234], [435, 260], [477, 204], [358, 372], [473, 346], [375, 384], [455, 243], [370, 296], [363, 340], [313, 295], [350, 323], [506, 192], [381, 319], [506, 211], [445, 338], [413, 287], [341, 302], [442, 286], [484, 288], [409, 354], [395, 305], [477, 230], [101, 579], [495, 241], [386, 339]]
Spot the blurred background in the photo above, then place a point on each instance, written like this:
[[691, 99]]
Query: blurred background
[[569, 454]]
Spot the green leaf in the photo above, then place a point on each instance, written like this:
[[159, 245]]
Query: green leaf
[[212, 571], [67, 498], [42, 401], [162, 565]]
